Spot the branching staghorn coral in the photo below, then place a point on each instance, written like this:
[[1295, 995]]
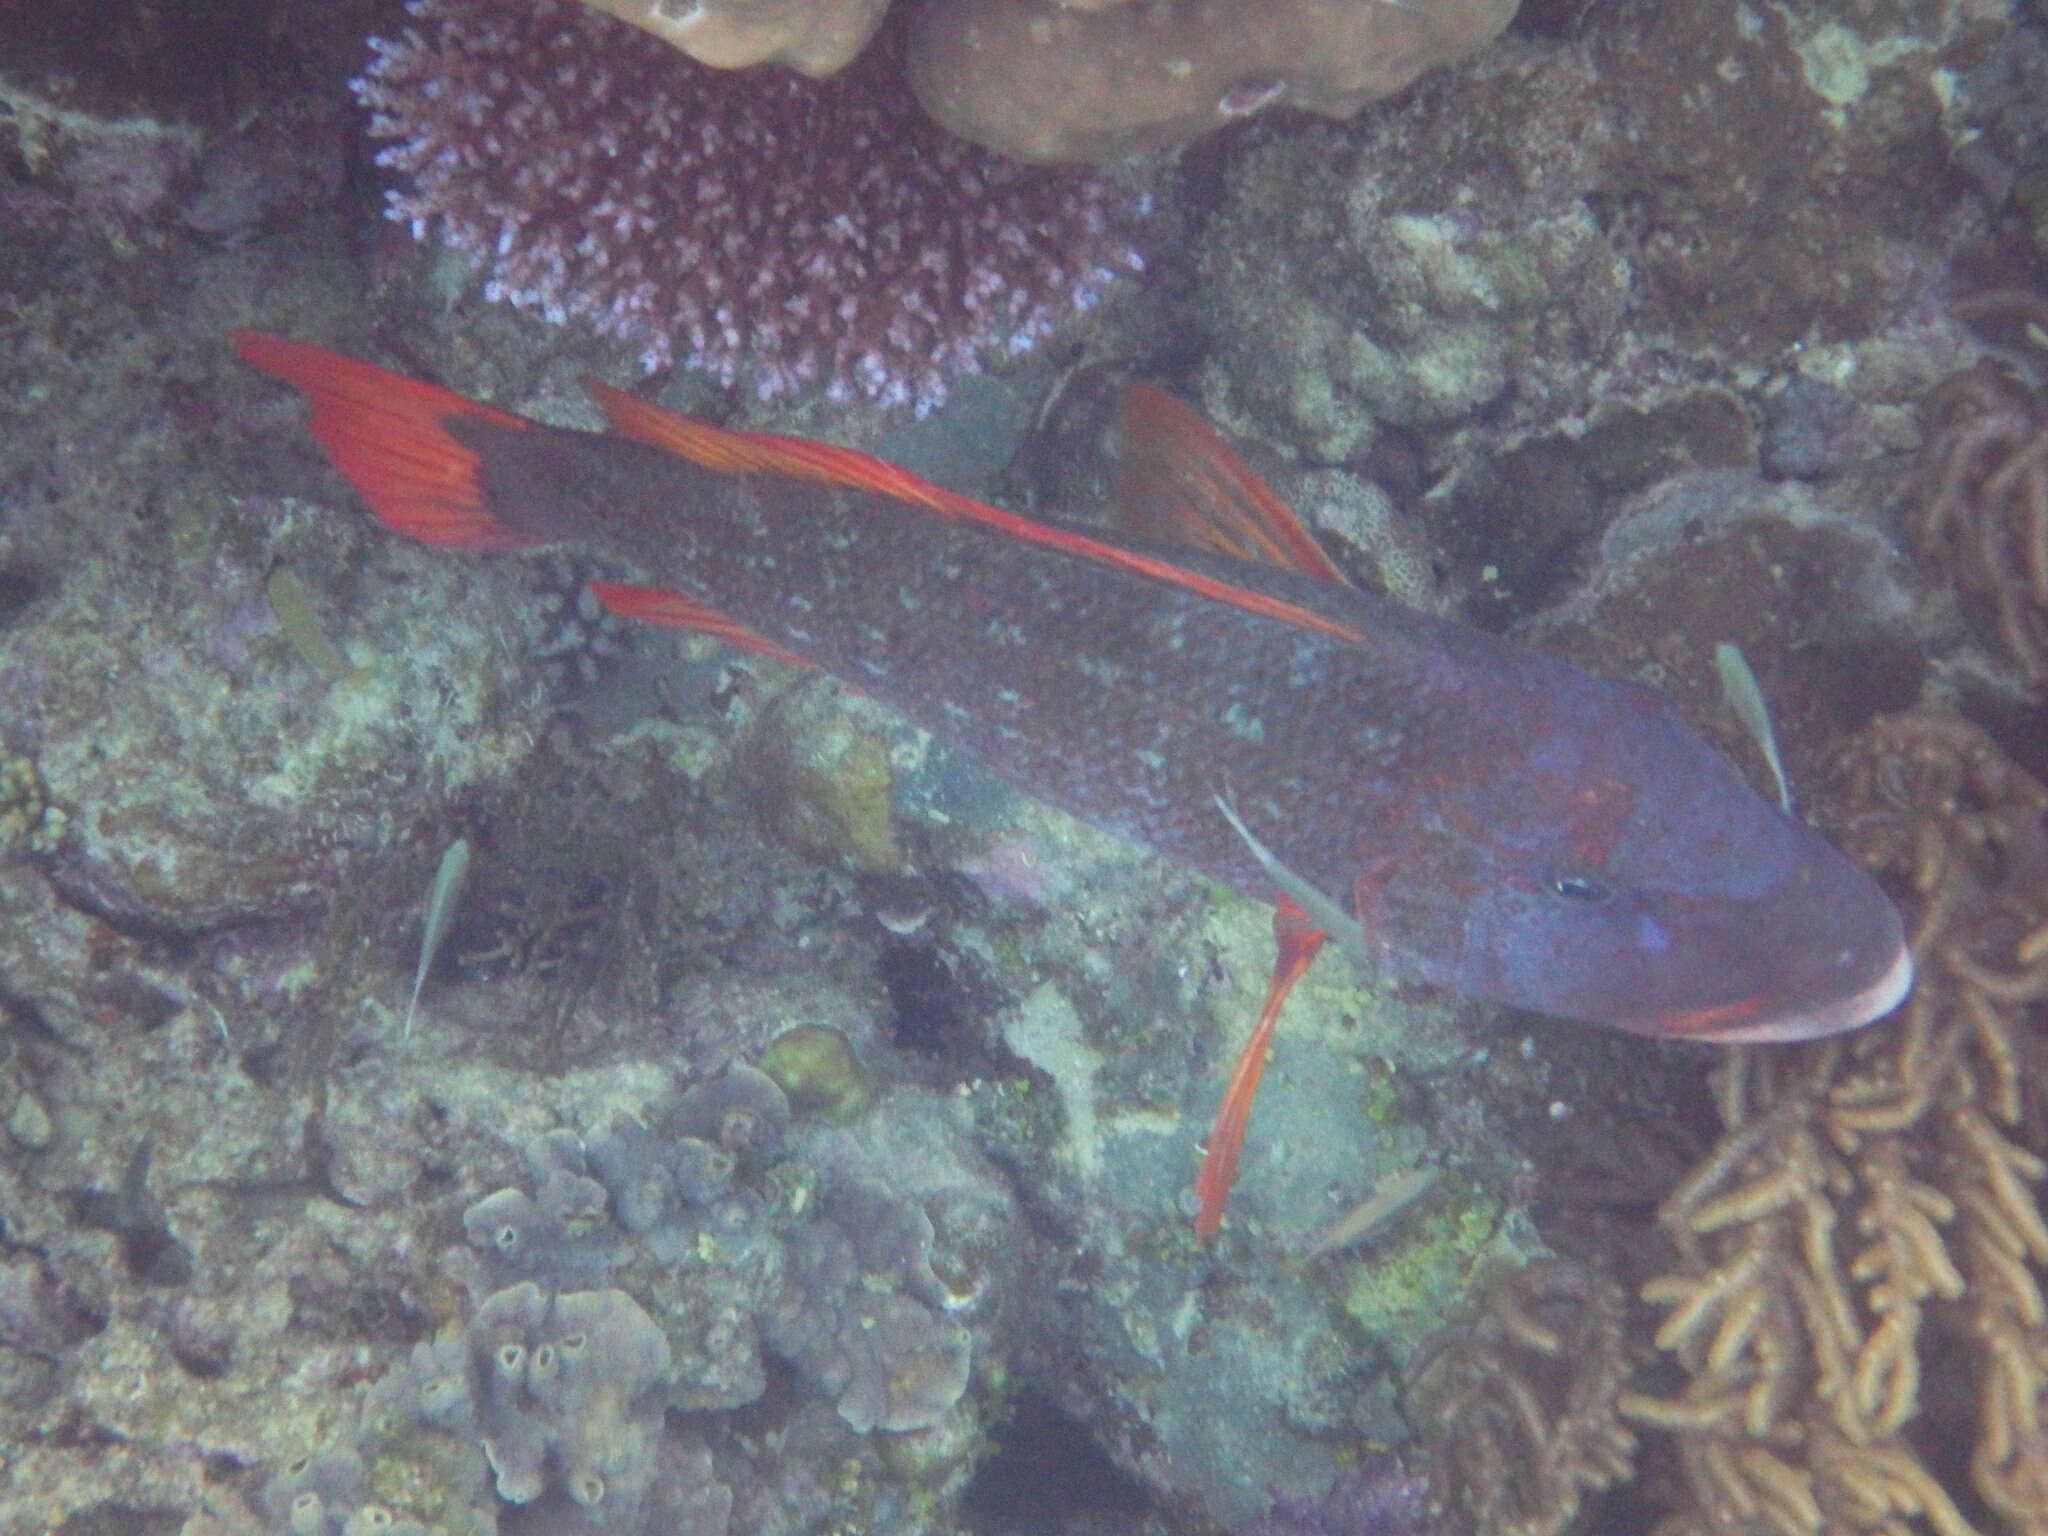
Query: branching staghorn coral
[[1862, 1252], [1516, 1408], [1981, 502]]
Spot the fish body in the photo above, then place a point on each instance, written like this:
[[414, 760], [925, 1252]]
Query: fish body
[[1464, 811], [1495, 821]]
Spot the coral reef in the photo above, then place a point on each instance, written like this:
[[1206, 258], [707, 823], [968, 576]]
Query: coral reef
[[1047, 82], [1796, 575], [838, 1282], [562, 1393], [1516, 1408], [27, 814], [1519, 248], [819, 1074], [1637, 304], [121, 171], [779, 233], [1857, 1299], [546, 1402], [1223, 1378], [818, 37], [1981, 496], [644, 1270], [329, 1496], [1375, 1496]]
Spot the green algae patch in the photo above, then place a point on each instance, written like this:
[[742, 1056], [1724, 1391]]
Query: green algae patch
[[817, 1071], [823, 781], [1017, 1119], [28, 817], [1400, 1292], [293, 610]]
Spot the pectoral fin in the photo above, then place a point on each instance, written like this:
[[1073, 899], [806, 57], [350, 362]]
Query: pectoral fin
[[1298, 940]]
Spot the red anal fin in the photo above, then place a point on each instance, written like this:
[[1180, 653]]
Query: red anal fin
[[387, 435], [665, 605], [733, 452], [1176, 479], [1298, 940]]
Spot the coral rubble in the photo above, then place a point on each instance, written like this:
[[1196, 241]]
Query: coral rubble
[[1860, 1257]]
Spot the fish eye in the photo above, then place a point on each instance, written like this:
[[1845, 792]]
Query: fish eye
[[1578, 888]]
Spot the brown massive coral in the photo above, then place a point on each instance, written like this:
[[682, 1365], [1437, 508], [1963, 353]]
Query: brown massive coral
[[817, 37], [1093, 80], [1043, 81], [1857, 1303]]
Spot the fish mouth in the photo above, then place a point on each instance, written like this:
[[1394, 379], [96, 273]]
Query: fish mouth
[[1833, 1017]]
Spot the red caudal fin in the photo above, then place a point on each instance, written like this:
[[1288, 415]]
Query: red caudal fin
[[1176, 479], [665, 605], [387, 434], [1298, 940]]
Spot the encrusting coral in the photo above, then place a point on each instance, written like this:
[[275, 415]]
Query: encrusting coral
[[1048, 82], [1516, 1408], [814, 36], [1981, 507], [647, 1268], [562, 1392], [1857, 1300], [840, 1285]]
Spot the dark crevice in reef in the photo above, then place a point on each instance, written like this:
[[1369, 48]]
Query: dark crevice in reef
[[1048, 1470]]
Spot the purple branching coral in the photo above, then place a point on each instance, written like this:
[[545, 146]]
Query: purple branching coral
[[779, 232]]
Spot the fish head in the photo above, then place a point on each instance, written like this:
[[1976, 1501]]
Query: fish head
[[1632, 879]]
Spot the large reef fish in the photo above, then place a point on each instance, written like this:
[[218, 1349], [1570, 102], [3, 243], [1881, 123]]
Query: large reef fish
[[1465, 812]]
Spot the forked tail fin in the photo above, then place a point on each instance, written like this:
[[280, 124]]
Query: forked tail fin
[[388, 435]]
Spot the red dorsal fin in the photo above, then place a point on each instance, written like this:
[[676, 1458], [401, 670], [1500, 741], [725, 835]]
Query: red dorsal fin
[[387, 434], [1177, 480], [665, 605], [743, 453], [767, 453]]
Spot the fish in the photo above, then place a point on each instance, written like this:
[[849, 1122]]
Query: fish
[[1452, 809]]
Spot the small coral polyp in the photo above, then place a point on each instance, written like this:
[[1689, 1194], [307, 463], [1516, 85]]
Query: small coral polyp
[[780, 233]]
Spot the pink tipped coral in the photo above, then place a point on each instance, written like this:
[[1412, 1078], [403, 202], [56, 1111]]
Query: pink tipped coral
[[778, 232]]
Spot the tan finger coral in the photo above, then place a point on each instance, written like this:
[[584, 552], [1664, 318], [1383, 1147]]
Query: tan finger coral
[[1045, 81], [1857, 1303], [815, 37], [1515, 1407], [1981, 503]]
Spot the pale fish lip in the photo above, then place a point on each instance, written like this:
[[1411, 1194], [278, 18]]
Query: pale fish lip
[[1845, 1013]]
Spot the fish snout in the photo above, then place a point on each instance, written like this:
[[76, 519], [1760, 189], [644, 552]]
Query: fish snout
[[1831, 1016], [1829, 957]]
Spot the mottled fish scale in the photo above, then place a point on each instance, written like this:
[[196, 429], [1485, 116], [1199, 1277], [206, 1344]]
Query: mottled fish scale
[[1131, 704]]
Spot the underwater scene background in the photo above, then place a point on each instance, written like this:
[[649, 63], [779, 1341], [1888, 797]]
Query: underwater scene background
[[469, 1063]]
